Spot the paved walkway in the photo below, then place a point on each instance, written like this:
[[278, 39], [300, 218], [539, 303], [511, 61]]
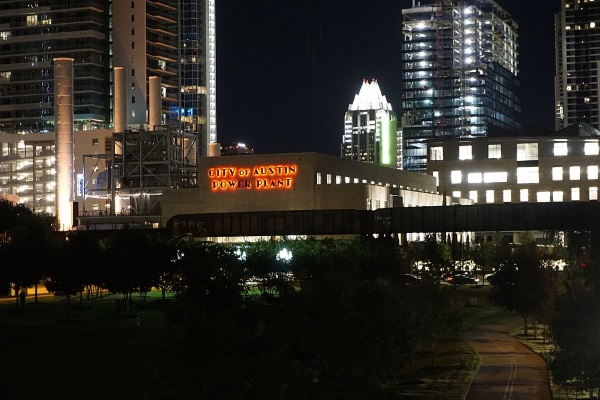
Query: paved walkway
[[509, 370]]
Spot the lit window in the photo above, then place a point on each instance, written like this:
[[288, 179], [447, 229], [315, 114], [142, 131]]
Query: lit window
[[574, 173], [368, 204], [338, 179], [494, 151], [489, 196], [465, 152], [377, 204], [528, 175], [436, 153], [593, 193], [319, 178], [455, 177], [347, 179], [356, 180], [328, 179], [543, 197], [591, 148], [495, 177], [557, 196], [592, 172], [557, 173], [506, 196], [456, 194], [474, 177], [575, 194], [436, 175], [561, 149], [473, 195], [524, 195], [527, 151]]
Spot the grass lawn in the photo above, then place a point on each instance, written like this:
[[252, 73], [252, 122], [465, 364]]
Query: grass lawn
[[95, 353], [101, 353]]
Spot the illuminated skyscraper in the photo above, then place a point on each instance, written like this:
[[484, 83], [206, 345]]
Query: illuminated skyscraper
[[32, 35], [370, 129], [459, 73], [120, 50], [172, 39], [577, 63]]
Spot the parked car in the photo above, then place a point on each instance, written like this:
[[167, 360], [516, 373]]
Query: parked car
[[408, 279], [462, 280], [447, 277]]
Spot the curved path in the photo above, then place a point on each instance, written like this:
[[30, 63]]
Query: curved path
[[509, 370]]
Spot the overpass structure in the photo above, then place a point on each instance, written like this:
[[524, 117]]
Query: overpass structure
[[559, 216]]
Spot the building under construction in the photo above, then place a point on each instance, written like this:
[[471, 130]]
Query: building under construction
[[460, 74]]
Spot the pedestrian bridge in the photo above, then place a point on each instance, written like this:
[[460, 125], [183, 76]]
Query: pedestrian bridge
[[455, 218]]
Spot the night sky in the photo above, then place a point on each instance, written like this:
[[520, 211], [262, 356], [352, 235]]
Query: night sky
[[287, 70]]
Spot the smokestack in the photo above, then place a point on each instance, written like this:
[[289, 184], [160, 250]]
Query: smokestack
[[64, 142], [154, 106], [120, 115], [214, 149], [120, 120]]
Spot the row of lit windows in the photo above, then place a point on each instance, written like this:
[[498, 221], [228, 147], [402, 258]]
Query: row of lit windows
[[524, 175], [339, 180], [524, 195], [525, 151]]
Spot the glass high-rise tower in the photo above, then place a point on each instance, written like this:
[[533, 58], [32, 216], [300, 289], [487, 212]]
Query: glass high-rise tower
[[172, 39], [32, 35], [118, 49], [459, 74], [577, 63]]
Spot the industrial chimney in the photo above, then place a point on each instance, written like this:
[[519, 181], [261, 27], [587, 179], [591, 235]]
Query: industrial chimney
[[64, 142]]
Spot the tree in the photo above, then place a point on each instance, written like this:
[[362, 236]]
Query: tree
[[575, 327], [129, 260], [27, 251], [522, 284], [438, 255], [341, 333]]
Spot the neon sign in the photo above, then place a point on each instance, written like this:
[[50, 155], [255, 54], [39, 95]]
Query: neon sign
[[261, 177]]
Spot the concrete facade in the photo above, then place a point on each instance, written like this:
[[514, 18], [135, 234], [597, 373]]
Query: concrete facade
[[298, 181]]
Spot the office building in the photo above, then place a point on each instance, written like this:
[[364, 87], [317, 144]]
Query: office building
[[577, 63], [459, 74], [513, 169], [371, 129], [563, 167]]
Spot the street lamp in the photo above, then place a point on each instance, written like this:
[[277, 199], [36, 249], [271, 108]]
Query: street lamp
[[6, 232]]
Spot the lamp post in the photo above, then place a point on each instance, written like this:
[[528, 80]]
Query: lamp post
[[6, 232]]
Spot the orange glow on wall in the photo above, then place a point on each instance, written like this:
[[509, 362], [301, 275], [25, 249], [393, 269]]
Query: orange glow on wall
[[260, 177]]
